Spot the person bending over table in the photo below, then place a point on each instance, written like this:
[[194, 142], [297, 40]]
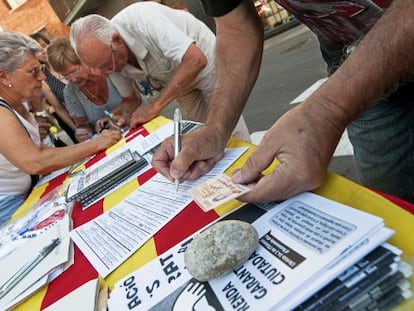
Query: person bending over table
[[22, 157], [53, 88], [304, 139], [150, 41], [88, 93]]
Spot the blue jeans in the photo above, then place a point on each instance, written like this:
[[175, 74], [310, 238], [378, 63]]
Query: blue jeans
[[383, 141], [8, 206]]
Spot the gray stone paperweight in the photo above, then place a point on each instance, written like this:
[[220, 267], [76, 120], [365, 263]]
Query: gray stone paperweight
[[220, 248]]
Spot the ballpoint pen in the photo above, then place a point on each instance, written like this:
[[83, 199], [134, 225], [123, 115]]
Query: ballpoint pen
[[113, 120], [29, 266], [77, 167], [177, 138]]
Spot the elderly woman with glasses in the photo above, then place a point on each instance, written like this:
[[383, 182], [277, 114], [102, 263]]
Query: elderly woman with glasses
[[22, 156], [89, 94]]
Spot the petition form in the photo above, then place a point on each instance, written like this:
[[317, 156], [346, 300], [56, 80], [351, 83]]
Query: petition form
[[108, 240]]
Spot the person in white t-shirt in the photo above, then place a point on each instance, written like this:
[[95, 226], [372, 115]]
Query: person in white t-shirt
[[150, 41]]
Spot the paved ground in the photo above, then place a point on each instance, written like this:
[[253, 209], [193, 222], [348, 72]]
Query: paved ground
[[291, 63]]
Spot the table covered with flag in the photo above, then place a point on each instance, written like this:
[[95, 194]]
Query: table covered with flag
[[397, 215]]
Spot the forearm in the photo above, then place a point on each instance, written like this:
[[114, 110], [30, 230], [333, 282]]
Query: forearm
[[239, 49], [42, 160], [193, 62], [20, 150], [381, 60], [59, 108], [48, 160]]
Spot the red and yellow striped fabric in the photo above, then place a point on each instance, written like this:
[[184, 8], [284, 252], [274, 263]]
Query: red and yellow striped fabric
[[192, 218]]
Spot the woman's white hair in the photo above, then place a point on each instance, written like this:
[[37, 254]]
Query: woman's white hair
[[94, 25], [14, 48]]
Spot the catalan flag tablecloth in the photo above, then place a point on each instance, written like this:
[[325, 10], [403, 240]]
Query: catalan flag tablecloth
[[397, 214]]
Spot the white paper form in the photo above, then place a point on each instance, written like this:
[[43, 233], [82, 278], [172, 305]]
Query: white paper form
[[148, 144], [111, 238], [155, 138]]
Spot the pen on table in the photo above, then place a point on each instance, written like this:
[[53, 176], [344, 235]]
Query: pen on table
[[113, 120], [177, 138], [29, 266], [77, 167]]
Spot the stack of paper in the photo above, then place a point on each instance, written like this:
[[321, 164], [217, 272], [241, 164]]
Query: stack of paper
[[98, 180], [305, 243], [34, 248], [30, 266], [377, 281]]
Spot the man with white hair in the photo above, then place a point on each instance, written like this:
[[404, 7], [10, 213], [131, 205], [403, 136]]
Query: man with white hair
[[149, 41]]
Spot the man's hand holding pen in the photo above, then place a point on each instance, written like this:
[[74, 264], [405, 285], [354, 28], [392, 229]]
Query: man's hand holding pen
[[194, 159]]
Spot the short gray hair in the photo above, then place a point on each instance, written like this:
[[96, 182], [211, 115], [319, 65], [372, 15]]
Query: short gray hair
[[14, 49], [94, 25]]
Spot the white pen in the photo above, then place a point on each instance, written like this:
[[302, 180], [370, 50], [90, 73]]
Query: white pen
[[177, 138], [29, 266]]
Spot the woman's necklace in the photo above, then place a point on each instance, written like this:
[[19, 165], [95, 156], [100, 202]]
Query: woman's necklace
[[95, 96]]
